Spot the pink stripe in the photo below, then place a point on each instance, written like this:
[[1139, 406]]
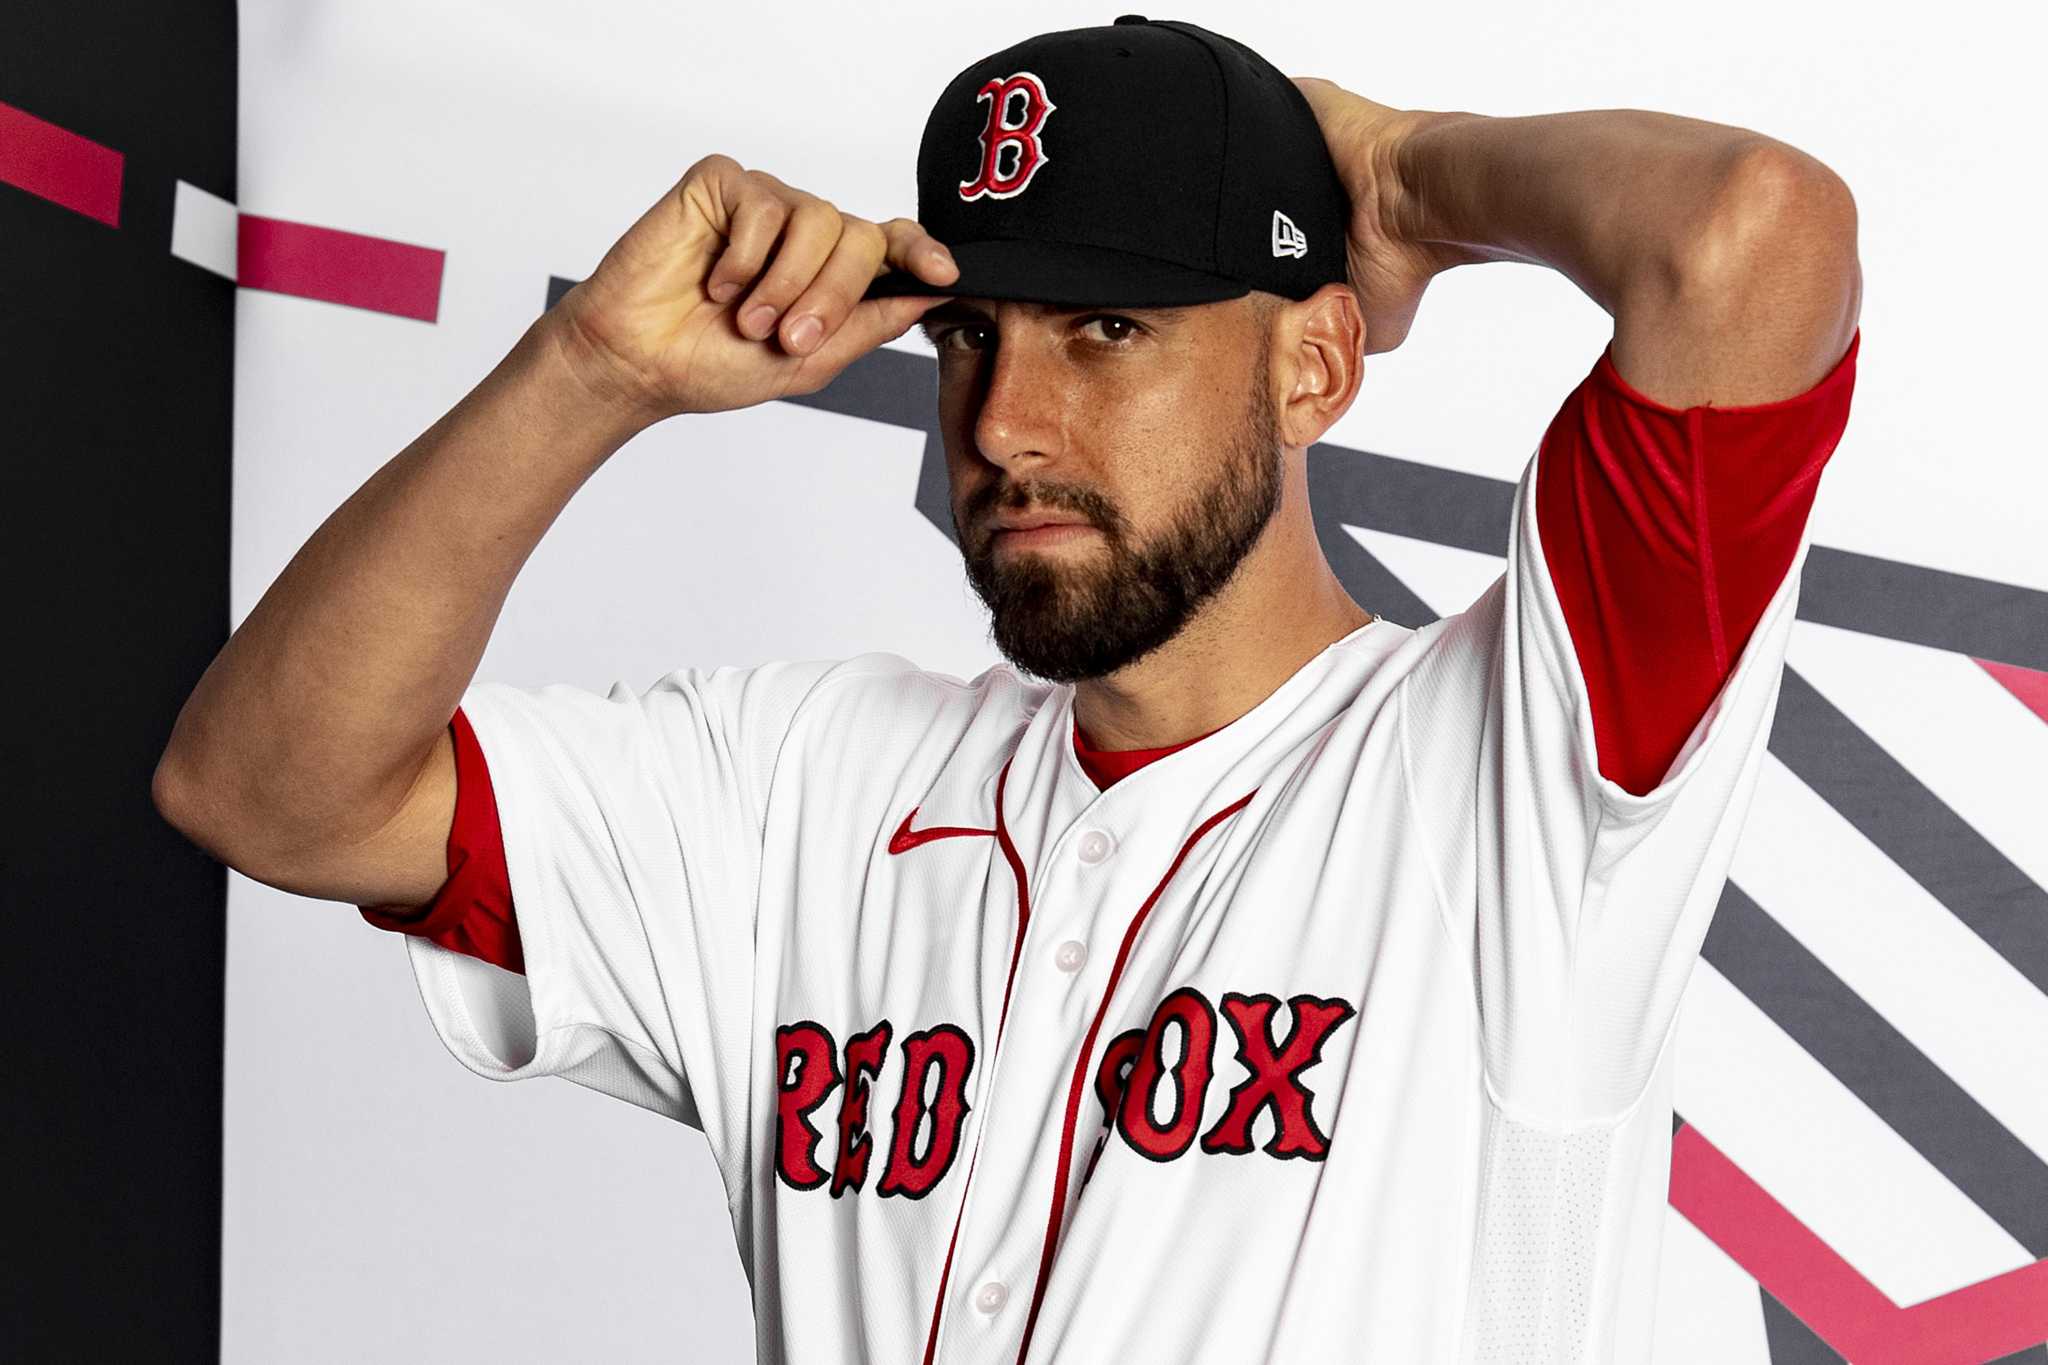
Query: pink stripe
[[333, 266], [1786, 1257], [1982, 1321], [1991, 1318], [2028, 684], [60, 166]]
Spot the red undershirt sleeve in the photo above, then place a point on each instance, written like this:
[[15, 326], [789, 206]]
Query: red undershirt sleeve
[[1666, 532], [472, 912]]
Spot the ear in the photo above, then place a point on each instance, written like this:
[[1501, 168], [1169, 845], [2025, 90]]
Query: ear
[[1318, 354]]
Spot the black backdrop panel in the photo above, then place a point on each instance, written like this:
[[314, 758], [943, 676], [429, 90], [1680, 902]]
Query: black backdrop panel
[[116, 368]]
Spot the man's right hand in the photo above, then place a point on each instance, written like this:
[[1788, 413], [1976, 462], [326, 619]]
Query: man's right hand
[[688, 313]]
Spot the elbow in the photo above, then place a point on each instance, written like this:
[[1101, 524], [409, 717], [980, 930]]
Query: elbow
[[191, 804], [1778, 251], [176, 795], [163, 792], [186, 794]]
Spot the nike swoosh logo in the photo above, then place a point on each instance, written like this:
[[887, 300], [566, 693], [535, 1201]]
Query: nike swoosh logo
[[905, 838]]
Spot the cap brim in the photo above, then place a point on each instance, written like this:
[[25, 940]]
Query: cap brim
[[1065, 273]]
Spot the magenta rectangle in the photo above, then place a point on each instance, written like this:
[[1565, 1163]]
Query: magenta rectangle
[[59, 165], [339, 267]]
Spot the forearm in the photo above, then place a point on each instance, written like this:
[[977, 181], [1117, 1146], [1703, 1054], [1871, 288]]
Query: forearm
[[319, 711], [1607, 197]]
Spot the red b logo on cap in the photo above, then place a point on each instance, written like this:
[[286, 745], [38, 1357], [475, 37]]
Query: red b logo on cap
[[1019, 137]]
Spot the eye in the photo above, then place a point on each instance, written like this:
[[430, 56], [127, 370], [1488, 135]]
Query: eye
[[945, 340], [1116, 333], [1117, 329]]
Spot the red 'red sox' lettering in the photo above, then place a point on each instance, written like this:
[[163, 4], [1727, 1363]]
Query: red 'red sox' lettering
[[806, 1065], [926, 1134], [1151, 1084], [947, 1051], [1187, 1079], [1274, 1083], [864, 1054]]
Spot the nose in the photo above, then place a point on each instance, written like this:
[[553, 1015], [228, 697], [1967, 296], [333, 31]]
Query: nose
[[1017, 425]]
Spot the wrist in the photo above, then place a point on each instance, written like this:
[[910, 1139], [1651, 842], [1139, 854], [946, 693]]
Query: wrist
[[587, 380], [1420, 158]]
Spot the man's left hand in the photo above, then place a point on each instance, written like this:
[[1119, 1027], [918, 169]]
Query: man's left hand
[[1388, 270]]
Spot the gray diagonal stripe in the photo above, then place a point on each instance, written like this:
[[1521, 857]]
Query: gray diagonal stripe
[[1368, 581], [1892, 808], [1900, 1084], [1980, 617], [1790, 1341], [1406, 498]]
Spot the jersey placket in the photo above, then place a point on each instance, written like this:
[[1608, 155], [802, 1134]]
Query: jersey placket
[[1105, 872]]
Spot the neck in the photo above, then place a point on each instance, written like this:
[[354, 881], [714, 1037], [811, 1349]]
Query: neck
[[1283, 607]]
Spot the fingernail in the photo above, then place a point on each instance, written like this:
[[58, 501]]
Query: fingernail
[[725, 290], [942, 257], [759, 318], [803, 334]]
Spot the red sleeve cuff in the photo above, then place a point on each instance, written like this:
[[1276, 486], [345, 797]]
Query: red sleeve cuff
[[472, 911]]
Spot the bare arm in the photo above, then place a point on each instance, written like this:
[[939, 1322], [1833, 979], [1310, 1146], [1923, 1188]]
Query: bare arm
[[326, 708], [1727, 258], [313, 754]]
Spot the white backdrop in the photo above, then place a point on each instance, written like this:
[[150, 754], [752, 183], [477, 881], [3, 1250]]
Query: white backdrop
[[384, 1204]]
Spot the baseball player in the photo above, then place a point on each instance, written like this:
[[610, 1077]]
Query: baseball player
[[1232, 973]]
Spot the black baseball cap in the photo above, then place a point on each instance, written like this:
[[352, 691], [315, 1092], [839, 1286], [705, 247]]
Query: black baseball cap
[[1144, 163]]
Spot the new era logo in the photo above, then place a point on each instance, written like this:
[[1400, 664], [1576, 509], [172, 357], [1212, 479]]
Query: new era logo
[[1287, 238]]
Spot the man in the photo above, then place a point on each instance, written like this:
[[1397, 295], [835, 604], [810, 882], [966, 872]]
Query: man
[[1235, 974]]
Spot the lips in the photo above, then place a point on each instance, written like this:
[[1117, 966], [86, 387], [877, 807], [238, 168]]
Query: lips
[[1043, 534], [1032, 523]]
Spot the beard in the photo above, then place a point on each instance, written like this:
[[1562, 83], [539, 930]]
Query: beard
[[1064, 620]]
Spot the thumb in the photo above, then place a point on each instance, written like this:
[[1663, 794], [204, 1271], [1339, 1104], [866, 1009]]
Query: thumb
[[872, 322]]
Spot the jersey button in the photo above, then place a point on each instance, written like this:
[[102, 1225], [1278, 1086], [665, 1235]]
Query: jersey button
[[1094, 847], [991, 1296], [1069, 956]]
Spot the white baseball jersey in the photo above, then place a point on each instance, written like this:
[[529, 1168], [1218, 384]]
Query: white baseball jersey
[[1344, 1032]]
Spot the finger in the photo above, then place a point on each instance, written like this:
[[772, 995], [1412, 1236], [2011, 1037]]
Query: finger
[[913, 249], [807, 241], [1321, 95], [756, 222], [872, 322], [825, 304]]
